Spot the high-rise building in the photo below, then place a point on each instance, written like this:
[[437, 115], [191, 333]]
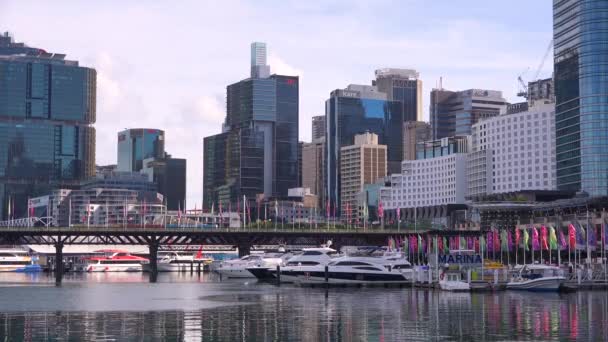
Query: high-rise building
[[514, 151], [318, 127], [257, 152], [137, 144], [580, 36], [356, 110], [414, 132], [300, 146], [402, 85], [47, 112], [169, 175], [362, 163], [313, 172], [259, 67], [454, 112]]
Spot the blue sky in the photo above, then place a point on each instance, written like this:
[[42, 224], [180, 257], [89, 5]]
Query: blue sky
[[165, 64]]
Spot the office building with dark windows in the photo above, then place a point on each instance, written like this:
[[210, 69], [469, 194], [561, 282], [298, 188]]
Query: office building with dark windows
[[402, 85], [169, 176], [356, 110], [257, 152], [137, 144], [318, 127], [47, 112], [580, 36], [455, 112]]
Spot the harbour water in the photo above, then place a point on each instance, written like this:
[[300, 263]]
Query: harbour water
[[125, 306]]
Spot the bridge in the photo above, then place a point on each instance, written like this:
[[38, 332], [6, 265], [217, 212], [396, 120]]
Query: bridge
[[241, 238]]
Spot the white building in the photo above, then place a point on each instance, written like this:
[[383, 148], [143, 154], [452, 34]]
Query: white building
[[513, 152], [435, 181]]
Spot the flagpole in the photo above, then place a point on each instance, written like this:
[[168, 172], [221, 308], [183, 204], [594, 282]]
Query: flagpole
[[587, 239]]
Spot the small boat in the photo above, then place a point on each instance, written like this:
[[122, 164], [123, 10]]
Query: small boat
[[265, 270], [353, 270], [115, 261], [239, 268], [304, 262], [451, 280], [175, 262], [537, 277], [16, 260]]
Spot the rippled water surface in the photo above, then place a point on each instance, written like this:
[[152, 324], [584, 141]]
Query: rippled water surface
[[200, 308]]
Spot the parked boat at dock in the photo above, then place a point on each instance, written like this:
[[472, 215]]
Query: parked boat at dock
[[353, 270], [114, 260], [15, 260], [451, 280], [176, 262], [537, 277], [239, 268], [304, 262]]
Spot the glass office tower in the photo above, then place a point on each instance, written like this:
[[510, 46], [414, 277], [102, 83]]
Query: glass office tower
[[355, 110], [135, 145], [258, 151], [47, 109], [580, 34]]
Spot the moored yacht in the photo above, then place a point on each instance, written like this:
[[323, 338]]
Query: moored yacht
[[176, 262], [353, 270], [301, 263], [239, 268], [537, 277], [16, 260], [114, 260], [451, 280]]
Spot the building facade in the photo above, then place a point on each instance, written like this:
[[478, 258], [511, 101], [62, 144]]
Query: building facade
[[435, 179], [355, 110], [47, 112], [169, 176], [137, 144], [313, 168], [580, 35], [414, 132], [257, 152], [403, 85], [318, 127], [454, 112], [362, 163], [514, 152]]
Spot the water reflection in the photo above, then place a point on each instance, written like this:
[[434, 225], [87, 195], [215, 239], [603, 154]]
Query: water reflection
[[264, 312]]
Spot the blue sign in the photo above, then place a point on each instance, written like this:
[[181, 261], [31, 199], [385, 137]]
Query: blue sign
[[470, 259]]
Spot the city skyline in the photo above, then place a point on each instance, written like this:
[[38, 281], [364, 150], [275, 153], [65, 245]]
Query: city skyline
[[178, 82]]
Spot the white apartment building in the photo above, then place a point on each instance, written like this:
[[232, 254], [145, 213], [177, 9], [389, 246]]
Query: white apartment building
[[513, 152], [435, 181]]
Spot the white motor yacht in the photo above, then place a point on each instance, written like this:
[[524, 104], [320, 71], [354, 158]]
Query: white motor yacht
[[451, 280], [238, 268], [353, 270], [537, 277], [301, 263], [175, 262], [16, 260]]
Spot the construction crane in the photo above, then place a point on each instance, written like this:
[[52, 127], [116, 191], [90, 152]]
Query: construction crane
[[524, 91]]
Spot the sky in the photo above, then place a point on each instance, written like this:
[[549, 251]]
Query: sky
[[166, 64]]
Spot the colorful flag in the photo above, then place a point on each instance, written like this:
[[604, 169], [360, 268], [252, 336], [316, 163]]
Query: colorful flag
[[482, 244], [535, 241], [552, 239], [504, 243], [517, 237], [446, 247], [572, 235], [440, 245], [526, 239], [470, 243], [496, 240], [510, 241], [605, 227], [580, 236], [591, 237], [398, 214], [490, 241], [463, 243], [476, 243], [562, 240], [405, 244], [419, 244], [543, 238], [380, 210]]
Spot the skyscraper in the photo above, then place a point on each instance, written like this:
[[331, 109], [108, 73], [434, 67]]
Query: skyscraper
[[318, 127], [580, 35], [454, 112], [355, 110], [47, 111], [312, 168], [137, 144], [258, 151], [402, 85]]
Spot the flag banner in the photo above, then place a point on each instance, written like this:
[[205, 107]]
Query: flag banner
[[526, 240], [509, 241], [517, 237], [489, 242], [476, 244], [496, 240], [463, 243], [591, 237], [482, 244], [419, 244], [535, 240], [440, 245], [446, 246], [543, 238], [581, 242], [504, 240], [552, 239], [562, 240], [470, 243], [605, 234], [572, 236]]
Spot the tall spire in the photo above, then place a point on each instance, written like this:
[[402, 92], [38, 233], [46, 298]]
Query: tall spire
[[259, 68]]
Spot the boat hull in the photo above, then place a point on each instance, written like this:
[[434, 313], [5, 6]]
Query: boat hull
[[336, 277], [114, 268], [541, 284], [262, 273], [234, 272], [454, 286], [174, 267], [21, 268]]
